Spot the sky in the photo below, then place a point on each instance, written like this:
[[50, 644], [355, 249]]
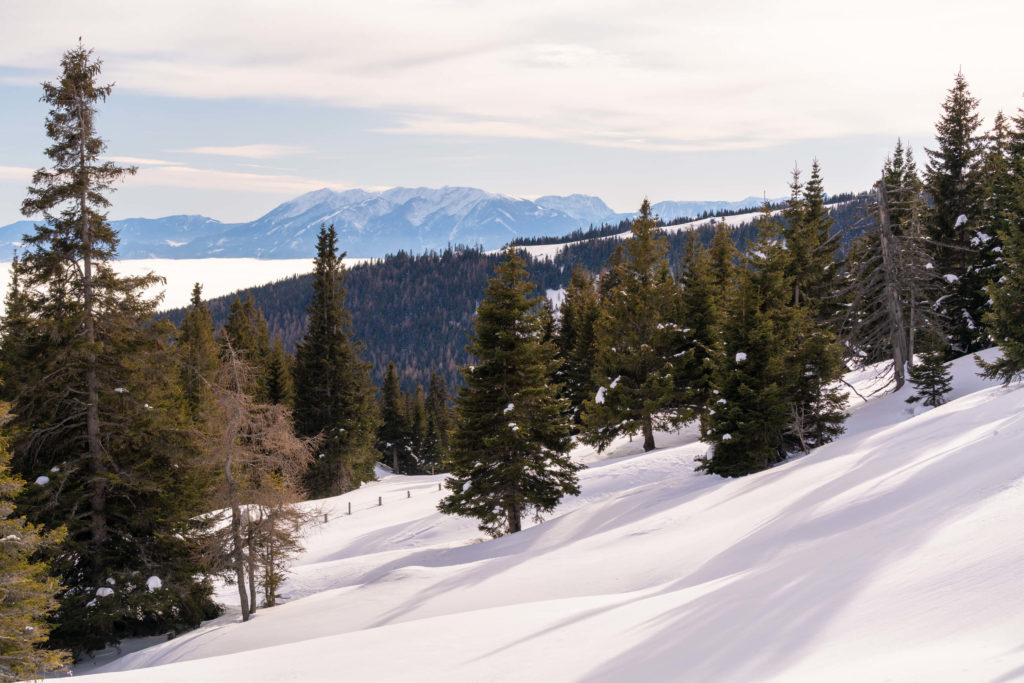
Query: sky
[[229, 109]]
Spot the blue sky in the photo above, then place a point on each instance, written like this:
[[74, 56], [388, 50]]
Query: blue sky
[[227, 114]]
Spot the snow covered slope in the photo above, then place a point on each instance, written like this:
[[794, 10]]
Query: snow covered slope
[[892, 554]]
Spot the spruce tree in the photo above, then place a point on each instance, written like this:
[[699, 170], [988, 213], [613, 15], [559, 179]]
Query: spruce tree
[[747, 421], [280, 388], [930, 375], [26, 591], [1005, 320], [951, 180], [333, 394], [575, 341], [509, 451], [97, 410], [437, 438], [393, 432], [198, 354], [247, 331], [703, 305], [637, 337]]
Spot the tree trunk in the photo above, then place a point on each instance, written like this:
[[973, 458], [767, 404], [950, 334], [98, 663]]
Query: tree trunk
[[250, 538], [897, 327], [648, 428], [515, 519]]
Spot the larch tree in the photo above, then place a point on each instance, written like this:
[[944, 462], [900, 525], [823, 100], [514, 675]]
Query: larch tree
[[333, 394], [96, 403], [510, 447]]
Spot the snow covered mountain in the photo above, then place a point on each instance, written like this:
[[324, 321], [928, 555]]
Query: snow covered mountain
[[369, 224], [891, 554]]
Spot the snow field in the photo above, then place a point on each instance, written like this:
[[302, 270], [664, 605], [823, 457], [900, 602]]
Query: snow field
[[891, 554]]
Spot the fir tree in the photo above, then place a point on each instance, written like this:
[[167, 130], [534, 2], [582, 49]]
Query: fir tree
[[747, 421], [393, 432], [703, 305], [951, 181], [26, 591], [246, 329], [509, 451], [930, 375], [333, 394], [575, 341], [96, 405], [637, 336], [280, 388], [416, 411], [437, 438], [198, 353], [1005, 320]]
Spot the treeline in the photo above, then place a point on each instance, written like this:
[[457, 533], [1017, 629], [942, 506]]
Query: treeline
[[416, 311]]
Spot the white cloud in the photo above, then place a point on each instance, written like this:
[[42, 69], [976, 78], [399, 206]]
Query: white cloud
[[16, 173], [141, 161], [206, 179], [249, 151], [656, 74]]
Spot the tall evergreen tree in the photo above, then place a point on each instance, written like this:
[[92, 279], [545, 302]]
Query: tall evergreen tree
[[747, 421], [509, 451], [703, 305], [280, 387], [247, 331], [96, 405], [436, 441], [575, 341], [393, 432], [951, 180], [198, 354], [1005, 320], [333, 393], [637, 336]]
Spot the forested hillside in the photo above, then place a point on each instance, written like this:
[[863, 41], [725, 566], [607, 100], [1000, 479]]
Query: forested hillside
[[416, 310]]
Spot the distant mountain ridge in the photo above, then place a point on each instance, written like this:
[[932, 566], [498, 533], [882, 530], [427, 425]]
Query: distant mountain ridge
[[372, 224]]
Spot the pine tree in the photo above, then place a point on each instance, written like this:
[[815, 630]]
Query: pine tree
[[333, 393], [509, 450], [1005, 320], [280, 388], [96, 405], [393, 432], [637, 336], [26, 591], [930, 375], [951, 181], [702, 312], [198, 353], [417, 414]]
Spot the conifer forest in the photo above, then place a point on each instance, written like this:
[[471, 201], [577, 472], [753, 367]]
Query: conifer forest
[[148, 454]]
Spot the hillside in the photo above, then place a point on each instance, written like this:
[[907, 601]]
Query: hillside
[[890, 554]]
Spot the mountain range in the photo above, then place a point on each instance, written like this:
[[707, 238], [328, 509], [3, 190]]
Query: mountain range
[[373, 224]]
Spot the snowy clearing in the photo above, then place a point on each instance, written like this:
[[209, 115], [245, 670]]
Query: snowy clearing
[[892, 554]]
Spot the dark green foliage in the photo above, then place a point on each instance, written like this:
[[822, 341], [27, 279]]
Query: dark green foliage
[[416, 411], [334, 397], [930, 375], [1005, 321], [575, 341], [198, 353], [393, 439], [509, 451], [93, 386], [280, 387], [416, 311], [747, 421], [246, 328], [26, 590], [637, 336], [954, 216], [436, 445]]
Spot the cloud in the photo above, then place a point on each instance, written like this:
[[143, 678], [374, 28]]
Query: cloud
[[657, 74], [206, 179], [250, 151], [16, 173], [141, 161]]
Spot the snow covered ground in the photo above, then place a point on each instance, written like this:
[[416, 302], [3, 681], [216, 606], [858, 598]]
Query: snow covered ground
[[892, 554], [218, 276]]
